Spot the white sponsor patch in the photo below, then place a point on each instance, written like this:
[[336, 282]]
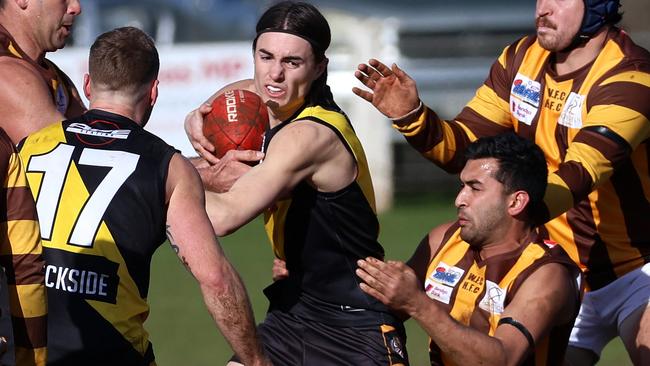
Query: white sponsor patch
[[526, 90], [446, 274], [438, 291], [84, 129], [524, 112], [572, 112], [494, 299]]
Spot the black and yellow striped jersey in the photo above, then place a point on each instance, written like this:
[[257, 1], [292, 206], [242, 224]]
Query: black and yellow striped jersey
[[321, 235], [593, 126], [22, 259], [99, 183], [476, 292]]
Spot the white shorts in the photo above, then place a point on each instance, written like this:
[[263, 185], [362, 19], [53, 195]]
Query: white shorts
[[603, 311]]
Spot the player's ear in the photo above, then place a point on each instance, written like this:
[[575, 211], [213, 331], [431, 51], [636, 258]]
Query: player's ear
[[153, 93], [517, 202], [321, 67], [86, 86]]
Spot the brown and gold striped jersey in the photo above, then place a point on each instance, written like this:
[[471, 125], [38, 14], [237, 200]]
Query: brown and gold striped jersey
[[475, 292], [21, 257], [593, 126]]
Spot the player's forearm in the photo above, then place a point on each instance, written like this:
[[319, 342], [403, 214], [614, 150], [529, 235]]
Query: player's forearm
[[439, 141], [230, 308], [460, 344]]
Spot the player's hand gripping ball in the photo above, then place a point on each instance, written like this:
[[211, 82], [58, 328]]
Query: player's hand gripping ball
[[238, 121]]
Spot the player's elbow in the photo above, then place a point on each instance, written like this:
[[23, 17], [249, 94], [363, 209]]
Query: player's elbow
[[214, 282], [222, 228], [222, 221]]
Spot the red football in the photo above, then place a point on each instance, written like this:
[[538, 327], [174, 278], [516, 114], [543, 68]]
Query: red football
[[238, 120]]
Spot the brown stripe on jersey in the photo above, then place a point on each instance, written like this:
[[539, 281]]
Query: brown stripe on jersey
[[600, 269], [515, 62], [574, 175], [432, 134], [30, 332], [562, 140], [634, 206], [581, 221], [611, 145], [23, 269], [479, 125], [625, 94], [445, 238], [18, 206], [501, 86]]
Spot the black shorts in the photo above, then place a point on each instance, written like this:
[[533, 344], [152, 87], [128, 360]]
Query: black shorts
[[292, 341]]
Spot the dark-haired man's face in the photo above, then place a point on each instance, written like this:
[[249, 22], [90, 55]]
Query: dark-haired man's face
[[284, 71], [558, 22], [52, 21], [481, 203]]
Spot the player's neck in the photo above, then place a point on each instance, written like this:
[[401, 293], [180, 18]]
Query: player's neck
[[125, 110], [569, 61], [515, 236]]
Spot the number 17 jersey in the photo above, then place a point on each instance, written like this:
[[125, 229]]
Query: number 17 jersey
[[99, 185]]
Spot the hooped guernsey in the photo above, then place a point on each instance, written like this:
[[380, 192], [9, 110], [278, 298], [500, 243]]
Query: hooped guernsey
[[22, 260], [321, 235], [475, 292], [99, 183], [60, 86], [593, 126]]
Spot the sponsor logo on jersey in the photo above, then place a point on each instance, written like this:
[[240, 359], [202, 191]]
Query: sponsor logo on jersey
[[525, 96], [437, 291], [494, 299], [550, 243], [90, 277], [526, 90], [84, 129], [61, 99], [572, 113], [447, 275], [522, 111]]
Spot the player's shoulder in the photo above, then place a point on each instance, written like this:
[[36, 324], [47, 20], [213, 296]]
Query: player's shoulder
[[22, 79], [16, 68], [440, 234]]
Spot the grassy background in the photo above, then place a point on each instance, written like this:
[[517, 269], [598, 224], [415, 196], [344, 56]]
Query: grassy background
[[183, 333]]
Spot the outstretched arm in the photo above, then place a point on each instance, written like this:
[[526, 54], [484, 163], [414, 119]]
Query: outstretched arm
[[192, 238], [548, 293]]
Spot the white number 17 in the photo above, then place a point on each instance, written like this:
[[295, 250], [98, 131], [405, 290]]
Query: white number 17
[[55, 166]]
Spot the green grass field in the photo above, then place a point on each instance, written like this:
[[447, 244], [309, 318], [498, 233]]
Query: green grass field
[[184, 334]]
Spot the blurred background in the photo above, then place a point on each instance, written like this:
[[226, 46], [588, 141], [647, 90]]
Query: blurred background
[[446, 46]]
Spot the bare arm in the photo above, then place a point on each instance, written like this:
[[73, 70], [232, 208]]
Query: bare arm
[[301, 151], [547, 293], [26, 104], [193, 240], [194, 121]]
